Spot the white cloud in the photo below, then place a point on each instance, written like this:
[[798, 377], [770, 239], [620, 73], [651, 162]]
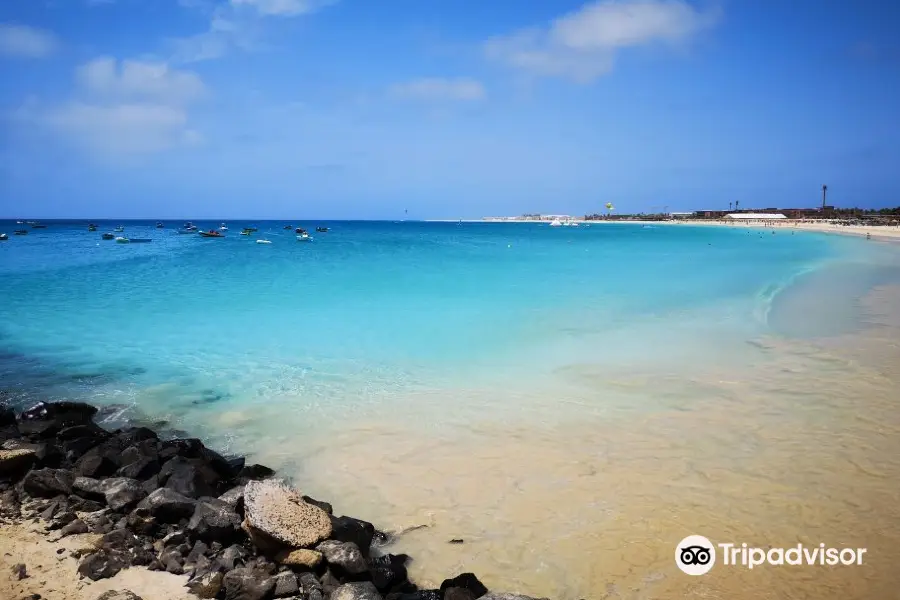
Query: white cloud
[[582, 45], [440, 89], [106, 77], [26, 42], [236, 24], [285, 8], [125, 108]]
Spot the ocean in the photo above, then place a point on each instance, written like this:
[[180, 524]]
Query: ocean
[[546, 394]]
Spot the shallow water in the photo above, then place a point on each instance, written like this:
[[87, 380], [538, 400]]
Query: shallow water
[[571, 402]]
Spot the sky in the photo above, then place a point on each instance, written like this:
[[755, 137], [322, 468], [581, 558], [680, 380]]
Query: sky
[[444, 108]]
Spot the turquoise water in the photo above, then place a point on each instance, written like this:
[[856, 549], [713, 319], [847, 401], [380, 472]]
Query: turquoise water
[[549, 394], [370, 311]]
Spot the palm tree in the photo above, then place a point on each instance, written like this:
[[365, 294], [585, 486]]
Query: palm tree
[[729, 205], [736, 204], [609, 208]]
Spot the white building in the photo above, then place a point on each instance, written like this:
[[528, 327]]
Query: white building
[[755, 216]]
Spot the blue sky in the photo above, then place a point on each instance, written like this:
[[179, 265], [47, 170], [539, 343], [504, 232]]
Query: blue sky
[[447, 108]]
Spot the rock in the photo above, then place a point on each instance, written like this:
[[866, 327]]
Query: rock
[[119, 539], [119, 595], [233, 556], [507, 596], [186, 448], [76, 527], [9, 504], [96, 520], [456, 593], [133, 435], [121, 492], [19, 571], [61, 519], [16, 462], [248, 584], [308, 559], [100, 565], [196, 552], [90, 488], [47, 419], [189, 478], [310, 585], [172, 561], [84, 430], [389, 571], [79, 504], [168, 506], [7, 416], [417, 595], [141, 522], [214, 520], [174, 539], [142, 469], [207, 584], [286, 585], [348, 529], [151, 484], [99, 461], [466, 581], [279, 513], [47, 483], [323, 505], [329, 582], [234, 498], [346, 557], [356, 591], [254, 473]]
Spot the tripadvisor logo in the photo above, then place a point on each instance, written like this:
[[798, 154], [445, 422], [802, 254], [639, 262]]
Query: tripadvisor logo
[[696, 555]]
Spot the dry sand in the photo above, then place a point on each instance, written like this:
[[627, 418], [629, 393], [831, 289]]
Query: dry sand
[[55, 576]]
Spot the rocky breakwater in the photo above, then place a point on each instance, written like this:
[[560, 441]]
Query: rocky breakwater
[[234, 530]]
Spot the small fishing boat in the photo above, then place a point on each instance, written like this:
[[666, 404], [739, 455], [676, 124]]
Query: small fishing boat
[[288, 226], [188, 228], [119, 229], [300, 230], [108, 236], [212, 233], [159, 225], [92, 227], [223, 227], [20, 222], [122, 240], [304, 237], [263, 242], [3, 236], [321, 229], [21, 232]]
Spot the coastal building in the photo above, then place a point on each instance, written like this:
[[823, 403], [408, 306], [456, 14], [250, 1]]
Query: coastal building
[[755, 216]]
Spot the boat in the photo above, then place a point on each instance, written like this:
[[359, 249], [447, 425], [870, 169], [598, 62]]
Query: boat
[[555, 223], [304, 237], [159, 225], [300, 230], [119, 229], [250, 229], [223, 227], [122, 240], [188, 228], [20, 222], [92, 227], [263, 242], [212, 233], [288, 226], [108, 236], [321, 229], [21, 232], [245, 233], [3, 236]]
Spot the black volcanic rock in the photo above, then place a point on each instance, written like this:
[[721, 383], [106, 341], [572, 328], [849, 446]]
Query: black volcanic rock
[[191, 478], [248, 584], [168, 506], [466, 581], [348, 529], [101, 565], [214, 520], [47, 483], [48, 419]]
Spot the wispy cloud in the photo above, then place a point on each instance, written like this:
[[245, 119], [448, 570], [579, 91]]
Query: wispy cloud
[[26, 42], [583, 44], [123, 108], [435, 88], [236, 24]]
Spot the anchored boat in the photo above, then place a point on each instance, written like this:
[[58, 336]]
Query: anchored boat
[[212, 233]]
